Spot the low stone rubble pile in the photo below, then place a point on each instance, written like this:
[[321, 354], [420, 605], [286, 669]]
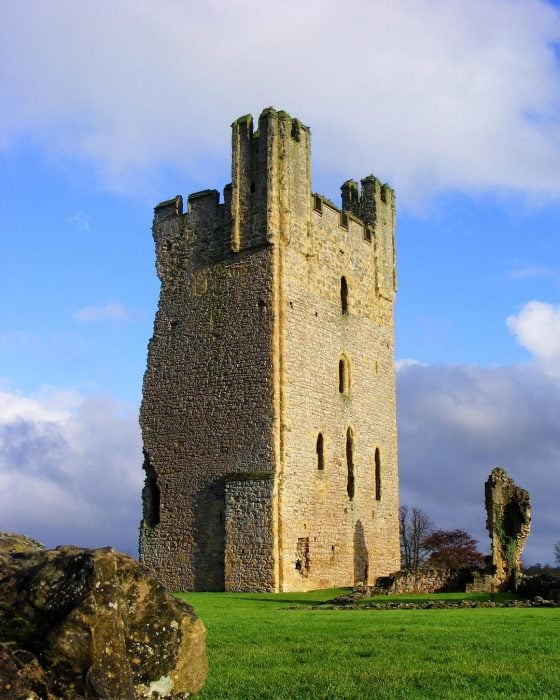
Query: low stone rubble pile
[[349, 603], [544, 585]]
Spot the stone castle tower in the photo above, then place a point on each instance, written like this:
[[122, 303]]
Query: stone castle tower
[[268, 412]]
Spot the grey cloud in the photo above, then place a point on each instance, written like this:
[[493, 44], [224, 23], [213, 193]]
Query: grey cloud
[[457, 423], [73, 479], [31, 445], [432, 96], [77, 478]]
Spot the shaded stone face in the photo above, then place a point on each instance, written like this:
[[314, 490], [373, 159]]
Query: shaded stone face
[[81, 623], [508, 520]]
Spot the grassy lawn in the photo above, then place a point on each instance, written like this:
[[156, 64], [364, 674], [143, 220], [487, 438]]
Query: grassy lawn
[[260, 648]]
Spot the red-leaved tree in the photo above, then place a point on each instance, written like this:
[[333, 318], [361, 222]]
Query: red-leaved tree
[[452, 549]]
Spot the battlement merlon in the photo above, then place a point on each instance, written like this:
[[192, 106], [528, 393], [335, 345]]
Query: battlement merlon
[[169, 208]]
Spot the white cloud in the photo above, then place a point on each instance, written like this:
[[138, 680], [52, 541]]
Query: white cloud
[[81, 220], [70, 469], [14, 407], [457, 423], [537, 328], [429, 95], [407, 362], [112, 311], [532, 272]]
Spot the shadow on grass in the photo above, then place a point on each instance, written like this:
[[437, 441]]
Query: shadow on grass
[[279, 601]]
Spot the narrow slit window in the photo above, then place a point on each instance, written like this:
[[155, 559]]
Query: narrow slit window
[[377, 474], [350, 463], [344, 375], [320, 452], [343, 295]]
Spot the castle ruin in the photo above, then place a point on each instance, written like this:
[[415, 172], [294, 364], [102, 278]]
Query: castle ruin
[[268, 413], [508, 521]]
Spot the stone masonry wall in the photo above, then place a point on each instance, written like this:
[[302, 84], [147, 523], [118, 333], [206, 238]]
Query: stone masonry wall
[[249, 534], [268, 413], [352, 538], [207, 400], [424, 581]]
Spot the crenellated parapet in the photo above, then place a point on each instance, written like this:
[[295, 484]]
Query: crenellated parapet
[[270, 200]]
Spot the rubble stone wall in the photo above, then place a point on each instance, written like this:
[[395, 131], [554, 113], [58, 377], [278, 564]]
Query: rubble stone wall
[[249, 562]]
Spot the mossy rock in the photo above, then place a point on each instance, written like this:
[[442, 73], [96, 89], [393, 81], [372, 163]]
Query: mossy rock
[[13, 543]]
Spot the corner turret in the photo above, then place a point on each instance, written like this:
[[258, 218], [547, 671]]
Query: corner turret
[[268, 165]]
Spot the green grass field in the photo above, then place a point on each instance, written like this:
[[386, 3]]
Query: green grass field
[[258, 647]]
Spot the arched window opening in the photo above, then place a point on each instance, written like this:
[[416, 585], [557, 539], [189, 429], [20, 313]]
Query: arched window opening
[[343, 295], [350, 463], [320, 452], [377, 475]]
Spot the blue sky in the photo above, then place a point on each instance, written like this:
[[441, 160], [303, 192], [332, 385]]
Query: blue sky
[[113, 107]]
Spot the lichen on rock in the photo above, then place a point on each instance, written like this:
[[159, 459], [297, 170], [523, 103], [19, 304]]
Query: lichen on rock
[[83, 623]]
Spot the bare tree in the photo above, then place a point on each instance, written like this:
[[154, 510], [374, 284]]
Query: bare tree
[[414, 526], [557, 553]]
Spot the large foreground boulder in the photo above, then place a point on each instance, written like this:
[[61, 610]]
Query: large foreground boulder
[[93, 623]]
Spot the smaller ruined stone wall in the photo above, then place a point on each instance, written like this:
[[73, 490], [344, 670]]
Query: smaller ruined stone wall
[[482, 582], [421, 581], [249, 557], [508, 510]]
